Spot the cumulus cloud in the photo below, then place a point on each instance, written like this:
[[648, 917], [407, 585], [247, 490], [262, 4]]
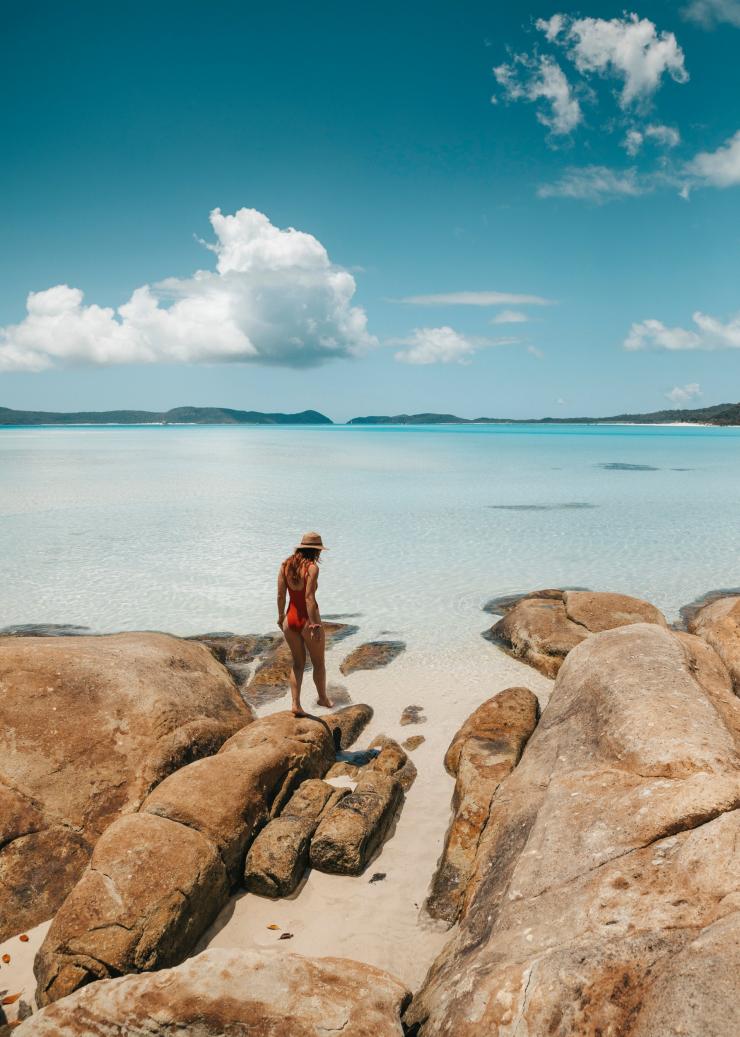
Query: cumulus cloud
[[710, 13], [708, 333], [275, 298], [629, 48], [541, 79], [476, 299], [720, 168], [442, 346], [656, 133], [510, 317], [684, 393], [597, 184]]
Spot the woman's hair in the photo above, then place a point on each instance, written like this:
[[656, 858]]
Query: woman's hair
[[302, 556]]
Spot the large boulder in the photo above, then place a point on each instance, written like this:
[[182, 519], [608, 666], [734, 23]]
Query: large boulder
[[239, 993], [158, 878], [541, 628], [718, 622], [604, 898], [90, 726], [483, 752], [350, 833], [278, 857]]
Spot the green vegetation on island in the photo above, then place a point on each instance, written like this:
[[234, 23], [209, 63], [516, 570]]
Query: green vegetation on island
[[176, 416], [719, 414]]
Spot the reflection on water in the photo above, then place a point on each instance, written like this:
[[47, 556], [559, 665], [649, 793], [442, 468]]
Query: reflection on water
[[184, 528]]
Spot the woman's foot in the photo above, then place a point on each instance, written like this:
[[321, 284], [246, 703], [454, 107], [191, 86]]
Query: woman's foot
[[325, 702], [298, 712]]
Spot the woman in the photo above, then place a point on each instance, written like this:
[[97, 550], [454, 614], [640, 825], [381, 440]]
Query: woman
[[299, 577]]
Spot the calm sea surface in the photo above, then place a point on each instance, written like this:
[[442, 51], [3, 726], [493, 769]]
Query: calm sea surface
[[182, 528]]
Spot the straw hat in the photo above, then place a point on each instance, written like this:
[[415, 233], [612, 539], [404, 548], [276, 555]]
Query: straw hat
[[312, 540]]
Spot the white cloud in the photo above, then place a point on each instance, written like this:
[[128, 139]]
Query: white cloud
[[442, 346], [663, 136], [630, 48], [596, 184], [534, 351], [510, 317], [476, 299], [275, 298], [720, 168], [684, 393], [541, 79], [710, 13], [709, 333]]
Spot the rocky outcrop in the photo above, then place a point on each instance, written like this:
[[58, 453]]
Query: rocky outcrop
[[90, 726], [238, 651], [349, 834], [384, 755], [239, 993], [272, 677], [718, 622], [158, 878], [541, 628], [371, 656], [483, 752], [604, 898], [278, 857], [346, 725]]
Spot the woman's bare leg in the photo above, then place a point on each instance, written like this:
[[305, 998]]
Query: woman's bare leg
[[316, 648], [298, 650]]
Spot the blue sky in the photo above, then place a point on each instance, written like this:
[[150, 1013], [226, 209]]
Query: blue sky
[[598, 197]]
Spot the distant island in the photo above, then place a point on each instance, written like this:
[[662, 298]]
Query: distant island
[[720, 414], [176, 416]]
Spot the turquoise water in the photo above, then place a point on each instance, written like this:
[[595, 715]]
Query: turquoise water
[[183, 528]]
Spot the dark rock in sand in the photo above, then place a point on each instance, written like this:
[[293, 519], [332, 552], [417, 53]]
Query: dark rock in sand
[[90, 726], [372, 655], [236, 993], [543, 627], [351, 831], [604, 898], [412, 715], [278, 857], [413, 742], [158, 878], [483, 752]]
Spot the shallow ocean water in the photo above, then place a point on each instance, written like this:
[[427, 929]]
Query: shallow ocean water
[[183, 528]]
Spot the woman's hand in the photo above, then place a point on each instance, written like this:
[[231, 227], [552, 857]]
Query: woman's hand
[[315, 629], [280, 621]]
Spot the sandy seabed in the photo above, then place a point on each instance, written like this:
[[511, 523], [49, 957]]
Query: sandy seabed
[[383, 922]]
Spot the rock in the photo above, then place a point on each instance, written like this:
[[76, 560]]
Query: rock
[[413, 742], [240, 993], [483, 752], [543, 627], [278, 857], [412, 715], [90, 726], [351, 831], [272, 677], [158, 878], [508, 718], [238, 648], [718, 623], [348, 724], [604, 898], [372, 655], [392, 760]]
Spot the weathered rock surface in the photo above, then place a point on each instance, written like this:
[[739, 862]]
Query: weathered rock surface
[[348, 724], [90, 726], [719, 624], [541, 628], [158, 878], [372, 655], [483, 752], [605, 896], [272, 677], [409, 744], [508, 718], [412, 715], [383, 755], [278, 857], [235, 993], [351, 831]]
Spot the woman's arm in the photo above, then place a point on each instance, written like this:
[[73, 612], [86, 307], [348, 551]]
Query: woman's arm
[[282, 588], [314, 617]]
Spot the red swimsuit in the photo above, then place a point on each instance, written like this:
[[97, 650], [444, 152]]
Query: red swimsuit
[[297, 611]]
